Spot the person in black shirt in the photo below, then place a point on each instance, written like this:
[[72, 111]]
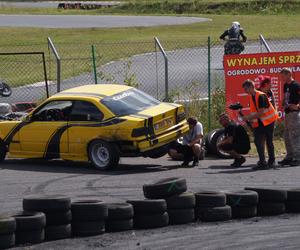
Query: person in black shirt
[[234, 43], [291, 105], [236, 141], [265, 86]]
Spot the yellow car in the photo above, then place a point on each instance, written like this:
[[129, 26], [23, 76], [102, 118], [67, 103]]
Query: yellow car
[[96, 123]]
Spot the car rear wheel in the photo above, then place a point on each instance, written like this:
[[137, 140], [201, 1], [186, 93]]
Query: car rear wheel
[[103, 155]]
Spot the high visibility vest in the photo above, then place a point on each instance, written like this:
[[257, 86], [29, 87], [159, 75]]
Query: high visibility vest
[[269, 116]]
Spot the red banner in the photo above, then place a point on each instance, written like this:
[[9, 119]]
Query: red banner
[[239, 68]]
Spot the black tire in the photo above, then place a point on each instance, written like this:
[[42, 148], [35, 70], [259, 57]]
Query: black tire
[[182, 201], [151, 221], [242, 198], [3, 151], [157, 153], [59, 218], [8, 225], [293, 195], [210, 214], [119, 225], [293, 206], [210, 199], [29, 221], [88, 228], [270, 208], [270, 195], [110, 155], [7, 240], [244, 212], [181, 216], [165, 188], [46, 204], [32, 237], [89, 210], [213, 138], [148, 207], [120, 211], [58, 232]]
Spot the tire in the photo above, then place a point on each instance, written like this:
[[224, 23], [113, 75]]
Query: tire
[[58, 232], [270, 208], [120, 211], [293, 195], [92, 210], [243, 198], [8, 225], [46, 204], [181, 216], [210, 199], [211, 214], [109, 158], [213, 138], [119, 225], [59, 218], [30, 221], [165, 188], [157, 153], [3, 151], [88, 228], [151, 221], [270, 195], [293, 206], [6, 90], [244, 212], [182, 201], [7, 240], [32, 237], [148, 207]]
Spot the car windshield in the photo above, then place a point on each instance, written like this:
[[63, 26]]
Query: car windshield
[[129, 102]]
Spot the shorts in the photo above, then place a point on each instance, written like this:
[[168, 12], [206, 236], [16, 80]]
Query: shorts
[[240, 149], [182, 149]]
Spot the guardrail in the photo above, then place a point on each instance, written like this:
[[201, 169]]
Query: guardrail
[[58, 62], [264, 42]]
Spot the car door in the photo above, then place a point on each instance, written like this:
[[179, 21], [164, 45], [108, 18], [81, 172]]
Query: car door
[[46, 134], [83, 121]]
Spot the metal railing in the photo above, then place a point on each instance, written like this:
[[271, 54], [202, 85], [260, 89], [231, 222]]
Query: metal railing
[[58, 62], [157, 43], [264, 42]]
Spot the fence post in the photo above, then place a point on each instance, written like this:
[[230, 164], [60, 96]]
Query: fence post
[[94, 64], [209, 82], [157, 42], [58, 64]]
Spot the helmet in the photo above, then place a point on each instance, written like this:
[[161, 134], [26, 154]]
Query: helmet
[[236, 24]]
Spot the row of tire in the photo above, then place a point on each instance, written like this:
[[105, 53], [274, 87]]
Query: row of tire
[[167, 202]]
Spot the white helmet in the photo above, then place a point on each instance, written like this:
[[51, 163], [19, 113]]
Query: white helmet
[[236, 24]]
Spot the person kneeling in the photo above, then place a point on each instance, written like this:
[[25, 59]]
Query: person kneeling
[[236, 142], [190, 149]]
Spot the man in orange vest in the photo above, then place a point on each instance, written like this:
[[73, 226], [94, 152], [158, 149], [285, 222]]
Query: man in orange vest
[[262, 117]]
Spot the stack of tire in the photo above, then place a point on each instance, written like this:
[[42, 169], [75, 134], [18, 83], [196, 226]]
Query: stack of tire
[[211, 206], [180, 205], [88, 217], [120, 217], [30, 227], [7, 232], [293, 201], [57, 212], [243, 203], [271, 201]]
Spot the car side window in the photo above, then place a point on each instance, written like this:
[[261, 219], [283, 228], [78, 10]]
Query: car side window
[[85, 111], [53, 111]]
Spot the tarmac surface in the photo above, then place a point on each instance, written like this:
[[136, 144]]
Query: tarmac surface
[[19, 178]]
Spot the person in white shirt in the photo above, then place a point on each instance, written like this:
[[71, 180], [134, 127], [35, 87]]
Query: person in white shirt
[[190, 148]]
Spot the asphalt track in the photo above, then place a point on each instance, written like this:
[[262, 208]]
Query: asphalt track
[[93, 21], [19, 178]]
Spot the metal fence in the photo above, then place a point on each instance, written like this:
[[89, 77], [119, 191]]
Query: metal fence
[[195, 69]]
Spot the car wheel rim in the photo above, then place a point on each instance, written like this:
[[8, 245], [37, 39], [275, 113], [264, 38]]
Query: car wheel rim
[[100, 155]]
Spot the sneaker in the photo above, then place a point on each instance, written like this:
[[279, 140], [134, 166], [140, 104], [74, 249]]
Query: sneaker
[[285, 161], [185, 164], [294, 163], [261, 166], [238, 162], [195, 162], [234, 163]]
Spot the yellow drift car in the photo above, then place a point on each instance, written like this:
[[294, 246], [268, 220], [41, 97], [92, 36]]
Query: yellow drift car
[[97, 123]]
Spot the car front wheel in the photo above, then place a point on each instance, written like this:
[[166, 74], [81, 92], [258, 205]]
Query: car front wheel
[[103, 155]]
